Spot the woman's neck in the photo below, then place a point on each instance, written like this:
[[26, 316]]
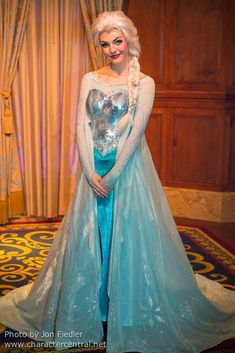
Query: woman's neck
[[119, 69]]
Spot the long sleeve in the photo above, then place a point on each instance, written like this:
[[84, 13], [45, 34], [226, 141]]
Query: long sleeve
[[143, 110], [80, 130]]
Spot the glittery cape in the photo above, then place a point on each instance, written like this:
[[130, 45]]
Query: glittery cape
[[157, 304]]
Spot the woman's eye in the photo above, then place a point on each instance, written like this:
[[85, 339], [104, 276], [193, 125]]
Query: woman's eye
[[119, 41], [104, 45]]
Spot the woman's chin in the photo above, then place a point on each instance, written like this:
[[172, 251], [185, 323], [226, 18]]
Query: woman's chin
[[119, 60], [115, 61]]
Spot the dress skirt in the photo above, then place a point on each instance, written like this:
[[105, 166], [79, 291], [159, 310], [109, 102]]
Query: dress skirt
[[121, 257], [105, 223]]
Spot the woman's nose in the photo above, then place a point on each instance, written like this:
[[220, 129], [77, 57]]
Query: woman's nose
[[112, 49]]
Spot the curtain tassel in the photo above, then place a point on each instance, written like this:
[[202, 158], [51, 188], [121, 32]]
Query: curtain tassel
[[7, 115]]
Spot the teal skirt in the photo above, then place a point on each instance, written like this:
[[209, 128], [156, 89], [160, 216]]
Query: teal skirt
[[105, 222]]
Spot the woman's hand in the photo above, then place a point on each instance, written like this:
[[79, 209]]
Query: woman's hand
[[99, 189], [103, 182]]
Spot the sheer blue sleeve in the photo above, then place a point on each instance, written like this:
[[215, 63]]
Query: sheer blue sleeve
[[80, 129], [143, 110]]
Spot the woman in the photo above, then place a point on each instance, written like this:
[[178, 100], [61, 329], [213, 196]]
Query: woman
[[117, 256]]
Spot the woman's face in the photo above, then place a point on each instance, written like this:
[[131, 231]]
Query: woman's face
[[114, 46]]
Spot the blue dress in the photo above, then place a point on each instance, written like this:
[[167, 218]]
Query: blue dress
[[105, 112], [119, 259], [105, 222]]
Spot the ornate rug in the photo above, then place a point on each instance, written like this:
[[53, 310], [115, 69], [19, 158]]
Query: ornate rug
[[24, 247], [209, 255]]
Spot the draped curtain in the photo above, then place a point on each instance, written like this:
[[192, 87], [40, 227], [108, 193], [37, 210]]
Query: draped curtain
[[54, 57], [13, 19], [90, 10], [38, 150]]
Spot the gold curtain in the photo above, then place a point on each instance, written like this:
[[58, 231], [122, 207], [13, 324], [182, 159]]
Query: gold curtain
[[90, 10], [13, 20], [53, 58]]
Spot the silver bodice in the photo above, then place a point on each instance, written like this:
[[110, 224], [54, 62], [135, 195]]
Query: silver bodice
[[105, 110]]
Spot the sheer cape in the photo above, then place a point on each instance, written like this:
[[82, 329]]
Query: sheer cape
[[157, 304]]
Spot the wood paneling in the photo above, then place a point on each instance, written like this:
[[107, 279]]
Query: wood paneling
[[228, 46], [234, 64], [194, 140], [152, 42], [198, 41], [232, 151], [153, 135], [188, 47]]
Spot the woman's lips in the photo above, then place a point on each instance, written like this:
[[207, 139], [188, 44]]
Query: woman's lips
[[115, 56]]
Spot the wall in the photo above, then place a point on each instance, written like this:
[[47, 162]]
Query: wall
[[188, 47]]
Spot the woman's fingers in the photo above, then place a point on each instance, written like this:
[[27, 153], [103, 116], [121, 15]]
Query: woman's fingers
[[99, 191], [103, 183], [98, 187]]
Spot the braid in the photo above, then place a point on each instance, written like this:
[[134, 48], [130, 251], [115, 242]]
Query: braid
[[133, 83]]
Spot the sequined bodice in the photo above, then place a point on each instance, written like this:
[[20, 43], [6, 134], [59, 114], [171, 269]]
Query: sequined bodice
[[105, 110]]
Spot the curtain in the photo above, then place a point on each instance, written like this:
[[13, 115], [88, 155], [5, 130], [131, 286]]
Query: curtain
[[13, 20], [54, 56], [90, 10]]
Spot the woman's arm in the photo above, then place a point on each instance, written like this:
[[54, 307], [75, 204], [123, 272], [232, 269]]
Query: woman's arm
[[80, 130], [93, 178], [143, 110]]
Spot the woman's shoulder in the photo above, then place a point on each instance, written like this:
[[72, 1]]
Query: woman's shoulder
[[146, 80], [146, 77], [86, 76], [88, 79]]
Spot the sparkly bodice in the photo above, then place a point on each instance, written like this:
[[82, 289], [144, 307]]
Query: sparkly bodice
[[105, 110]]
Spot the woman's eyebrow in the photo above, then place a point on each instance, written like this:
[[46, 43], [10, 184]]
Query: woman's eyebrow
[[117, 38], [103, 41]]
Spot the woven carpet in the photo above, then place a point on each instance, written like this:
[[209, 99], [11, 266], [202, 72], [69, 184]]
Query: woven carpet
[[24, 247]]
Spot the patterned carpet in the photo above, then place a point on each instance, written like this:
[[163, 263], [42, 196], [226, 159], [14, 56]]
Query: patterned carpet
[[209, 255], [24, 247]]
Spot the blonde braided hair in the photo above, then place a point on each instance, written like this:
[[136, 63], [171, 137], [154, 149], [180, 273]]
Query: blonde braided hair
[[133, 83]]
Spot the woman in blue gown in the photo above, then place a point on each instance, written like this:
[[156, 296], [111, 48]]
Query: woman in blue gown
[[117, 256]]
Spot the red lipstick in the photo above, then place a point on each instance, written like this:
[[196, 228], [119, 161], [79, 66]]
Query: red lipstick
[[115, 56]]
